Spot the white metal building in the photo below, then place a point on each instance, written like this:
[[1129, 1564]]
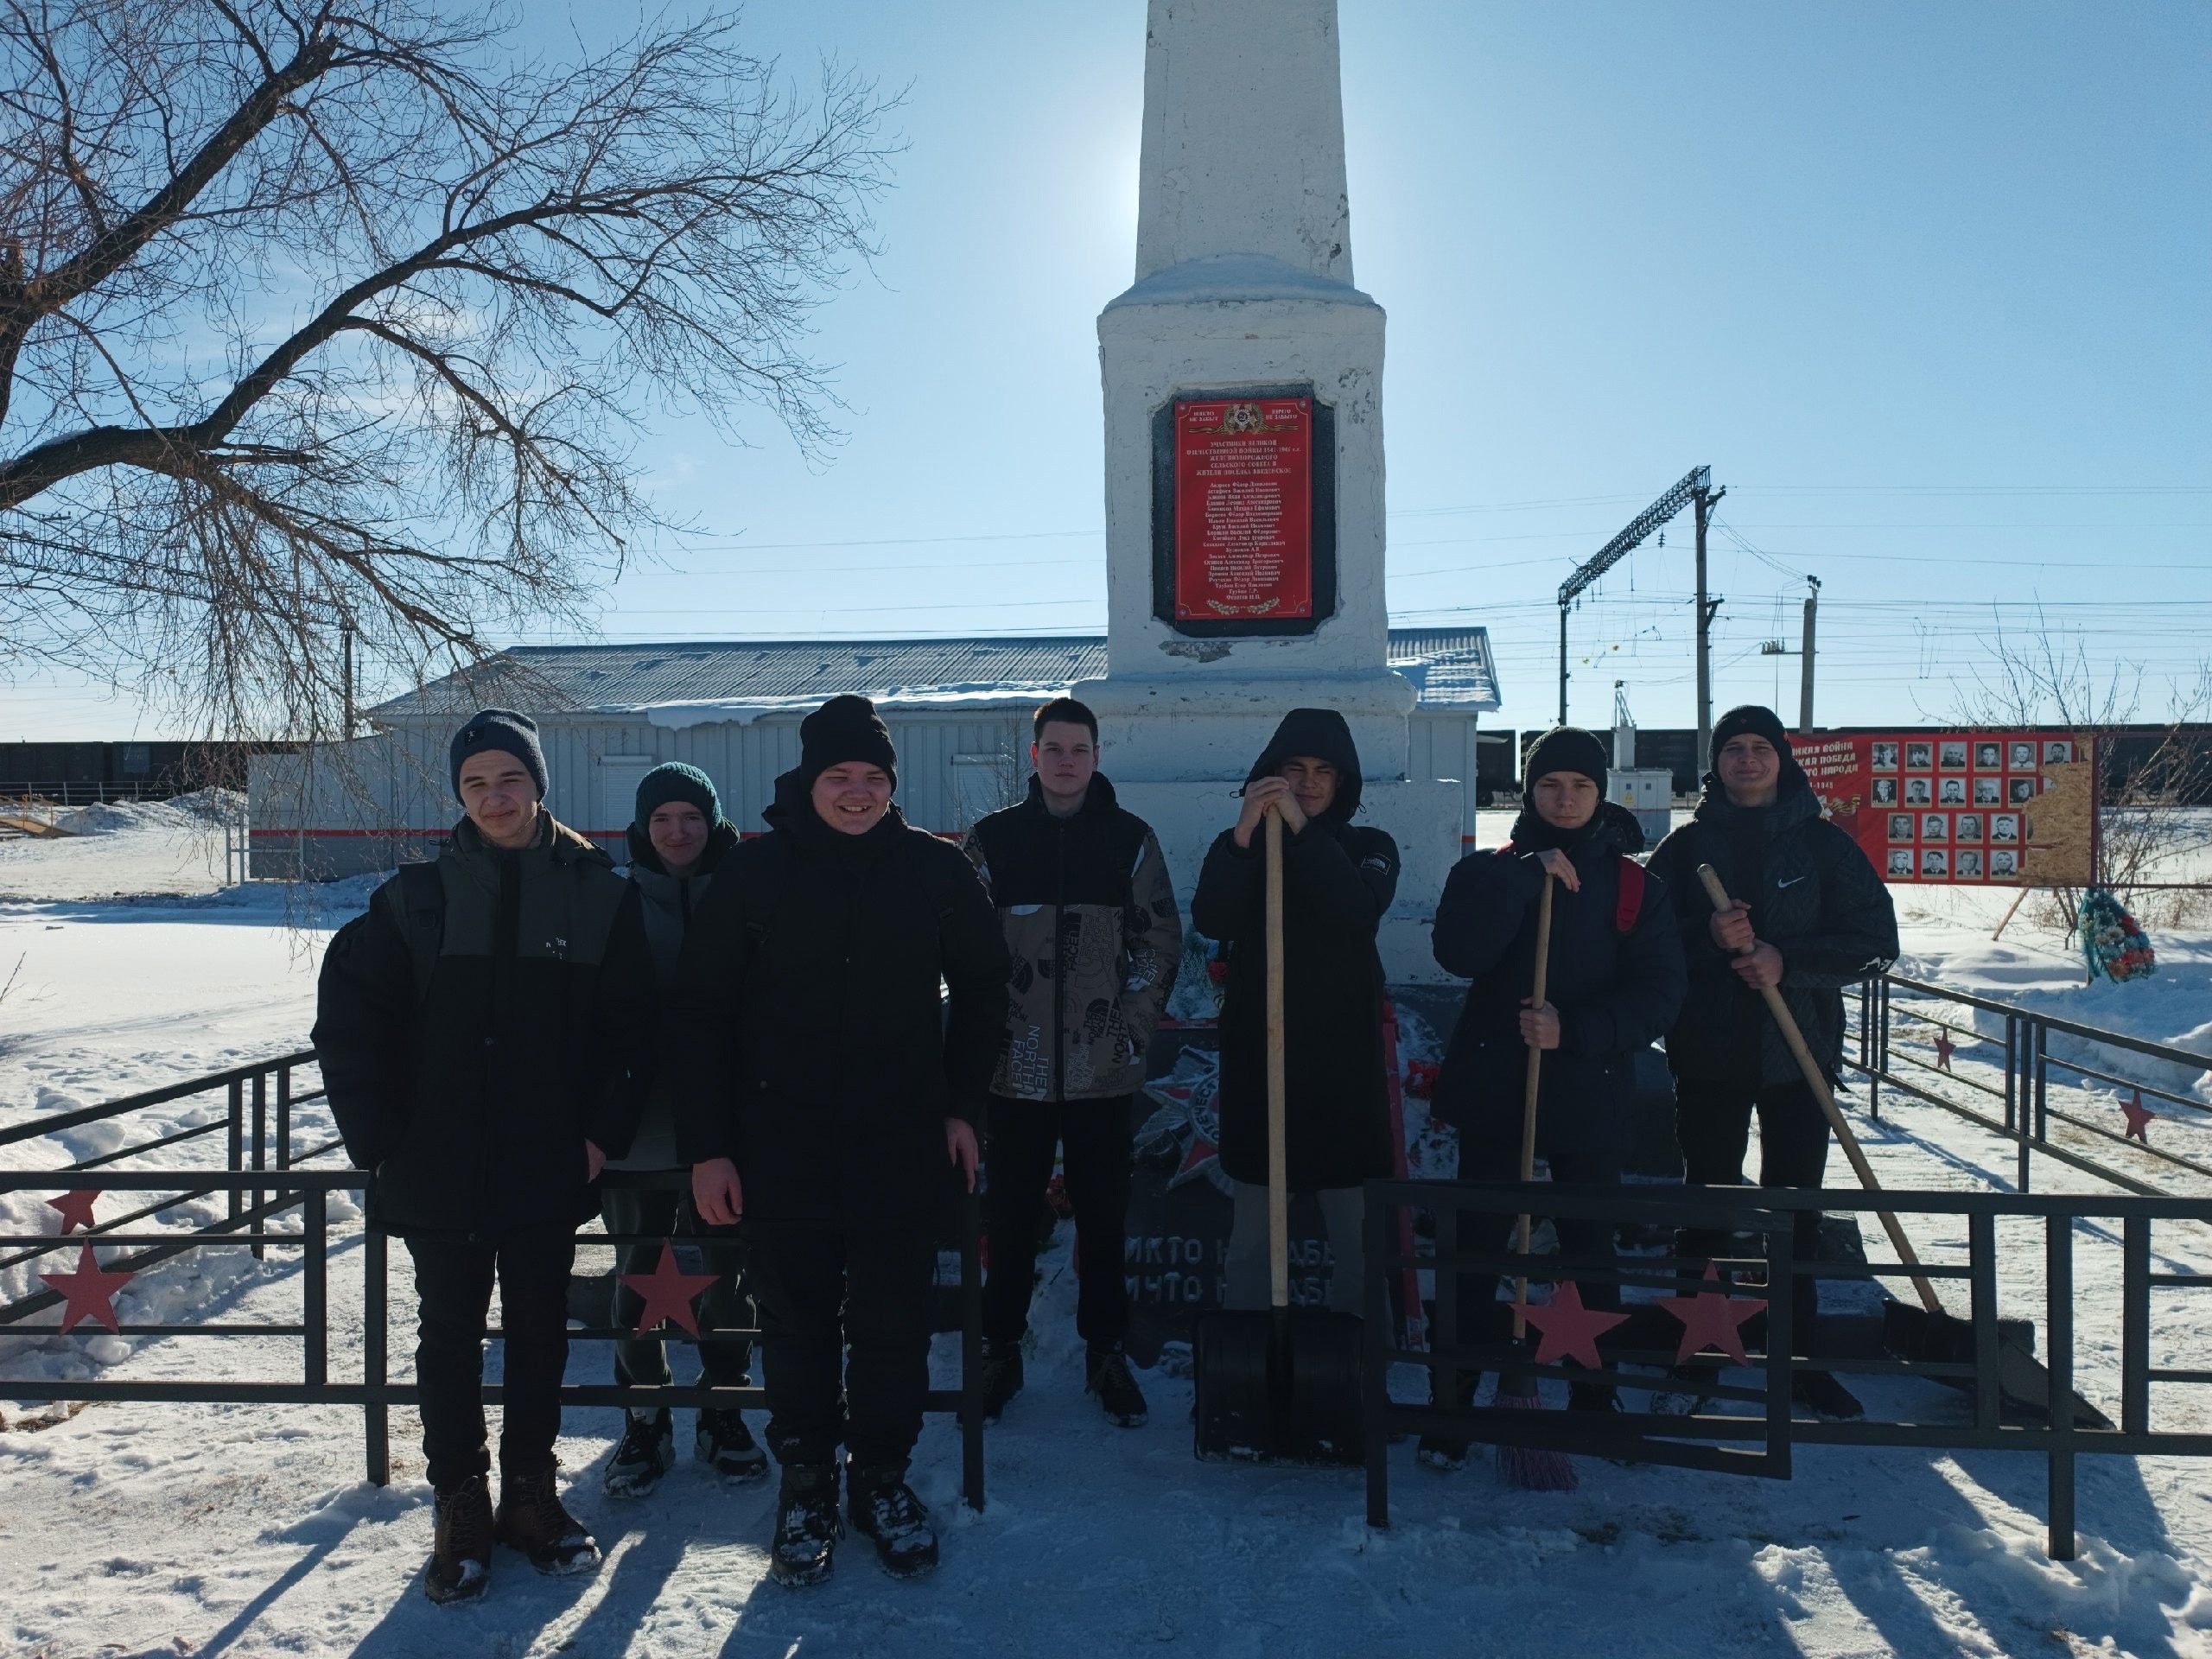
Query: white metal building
[[958, 711]]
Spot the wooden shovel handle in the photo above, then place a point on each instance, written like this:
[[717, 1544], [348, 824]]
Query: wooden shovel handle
[[1806, 1063], [1529, 1093], [1278, 1153]]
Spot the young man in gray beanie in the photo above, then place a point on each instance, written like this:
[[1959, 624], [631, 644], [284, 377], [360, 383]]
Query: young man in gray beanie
[[841, 1009], [485, 1032], [678, 841], [1816, 917]]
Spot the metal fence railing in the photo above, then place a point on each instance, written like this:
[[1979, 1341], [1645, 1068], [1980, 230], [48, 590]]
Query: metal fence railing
[[1976, 1352], [2018, 1105]]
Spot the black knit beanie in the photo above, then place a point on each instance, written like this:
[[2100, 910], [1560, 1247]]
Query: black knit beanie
[[505, 730], [844, 728], [1563, 748], [1752, 718], [673, 780]]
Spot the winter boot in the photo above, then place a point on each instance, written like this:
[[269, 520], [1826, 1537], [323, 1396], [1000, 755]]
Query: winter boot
[[884, 1507], [724, 1442], [1593, 1396], [807, 1527], [1687, 1391], [1435, 1450], [1001, 1377], [647, 1453], [1117, 1391], [460, 1558], [1824, 1396], [532, 1520]]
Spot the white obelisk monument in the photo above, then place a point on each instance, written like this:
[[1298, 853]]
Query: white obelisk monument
[[1245, 504]]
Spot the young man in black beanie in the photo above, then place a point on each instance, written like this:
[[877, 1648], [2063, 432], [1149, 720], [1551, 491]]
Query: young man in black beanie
[[1614, 982], [1338, 879], [677, 839], [828, 1097], [1818, 917], [485, 1031], [1090, 922]]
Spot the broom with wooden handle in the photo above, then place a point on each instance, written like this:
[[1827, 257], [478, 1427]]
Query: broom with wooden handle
[[1532, 1469], [1819, 1085]]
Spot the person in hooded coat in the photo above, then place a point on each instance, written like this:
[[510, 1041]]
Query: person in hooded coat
[[1614, 980], [1819, 917], [1338, 879], [828, 1094], [677, 839]]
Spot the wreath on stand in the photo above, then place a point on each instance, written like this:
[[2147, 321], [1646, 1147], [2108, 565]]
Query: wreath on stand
[[2112, 940]]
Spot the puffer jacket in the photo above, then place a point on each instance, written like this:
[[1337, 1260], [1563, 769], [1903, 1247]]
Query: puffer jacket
[[1814, 896], [812, 1043], [1616, 992], [667, 906], [471, 1095], [1091, 925]]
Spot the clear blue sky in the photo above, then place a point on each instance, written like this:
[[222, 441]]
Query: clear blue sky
[[1928, 286]]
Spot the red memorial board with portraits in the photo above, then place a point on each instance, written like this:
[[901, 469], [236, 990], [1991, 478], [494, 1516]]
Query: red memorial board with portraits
[[2012, 808], [1244, 508]]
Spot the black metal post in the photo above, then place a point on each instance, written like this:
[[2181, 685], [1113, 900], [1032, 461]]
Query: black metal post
[[284, 1117], [2011, 1074], [2035, 1124], [257, 1226], [1781, 1337], [2135, 1325], [2058, 1301], [315, 1284], [1375, 1357], [1982, 1262], [971, 1350], [236, 1141], [377, 1414]]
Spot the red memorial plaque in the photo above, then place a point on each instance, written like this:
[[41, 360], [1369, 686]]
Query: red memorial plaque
[[1244, 508]]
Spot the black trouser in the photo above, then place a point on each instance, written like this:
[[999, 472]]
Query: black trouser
[[1095, 1134], [824, 1290], [1712, 1121], [725, 1361], [1483, 1318], [453, 1291]]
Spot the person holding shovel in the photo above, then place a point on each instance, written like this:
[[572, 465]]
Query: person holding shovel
[[1337, 880], [1809, 915], [1614, 982]]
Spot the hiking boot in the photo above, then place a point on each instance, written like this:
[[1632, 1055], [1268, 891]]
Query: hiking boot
[[1687, 1392], [532, 1520], [1824, 1396], [1593, 1396], [726, 1445], [807, 1527], [1117, 1391], [461, 1557], [647, 1453], [1438, 1451], [883, 1507], [1001, 1377]]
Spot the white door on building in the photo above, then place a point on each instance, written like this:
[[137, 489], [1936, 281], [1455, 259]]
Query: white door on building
[[618, 778]]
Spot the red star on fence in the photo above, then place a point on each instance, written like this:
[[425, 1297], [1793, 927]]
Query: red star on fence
[[89, 1292], [1711, 1319], [1569, 1328], [2139, 1117], [76, 1209], [1944, 1049], [668, 1292]]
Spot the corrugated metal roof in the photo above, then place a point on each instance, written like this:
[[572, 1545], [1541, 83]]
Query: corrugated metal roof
[[1452, 666]]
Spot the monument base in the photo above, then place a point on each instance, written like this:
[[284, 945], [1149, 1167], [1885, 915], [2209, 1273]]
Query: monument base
[[1423, 818]]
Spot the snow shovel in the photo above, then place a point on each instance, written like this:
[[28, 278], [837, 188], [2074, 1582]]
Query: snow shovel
[[1286, 1383], [1926, 1331]]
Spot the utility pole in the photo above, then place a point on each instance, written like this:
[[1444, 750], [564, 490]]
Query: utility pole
[[1632, 536], [1805, 686], [1705, 497]]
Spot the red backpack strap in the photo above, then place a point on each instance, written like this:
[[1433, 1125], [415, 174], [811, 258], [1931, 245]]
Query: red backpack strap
[[1629, 904]]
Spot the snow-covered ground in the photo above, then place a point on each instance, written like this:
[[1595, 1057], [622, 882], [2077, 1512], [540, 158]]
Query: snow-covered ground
[[203, 1529]]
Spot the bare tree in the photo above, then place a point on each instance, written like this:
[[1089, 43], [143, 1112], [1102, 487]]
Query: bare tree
[[2047, 678], [337, 319]]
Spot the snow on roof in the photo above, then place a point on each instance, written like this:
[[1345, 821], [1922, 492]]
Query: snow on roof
[[692, 682]]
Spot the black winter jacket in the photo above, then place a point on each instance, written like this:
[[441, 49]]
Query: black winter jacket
[[1091, 925], [667, 906], [1616, 992], [472, 1097], [1814, 896], [813, 1044], [1337, 880]]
